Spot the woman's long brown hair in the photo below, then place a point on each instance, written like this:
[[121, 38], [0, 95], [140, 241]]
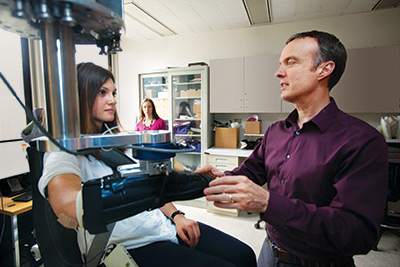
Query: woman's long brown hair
[[90, 79], [142, 116]]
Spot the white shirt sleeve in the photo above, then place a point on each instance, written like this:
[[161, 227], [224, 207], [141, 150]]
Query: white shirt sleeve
[[56, 163]]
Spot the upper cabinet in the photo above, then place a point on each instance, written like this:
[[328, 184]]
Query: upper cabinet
[[226, 85], [244, 85], [371, 81]]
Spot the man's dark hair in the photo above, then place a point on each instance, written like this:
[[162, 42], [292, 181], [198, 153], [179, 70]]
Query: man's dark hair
[[329, 49]]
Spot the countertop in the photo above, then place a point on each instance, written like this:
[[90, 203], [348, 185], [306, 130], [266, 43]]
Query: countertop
[[229, 152]]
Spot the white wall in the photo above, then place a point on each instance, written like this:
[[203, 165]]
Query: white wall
[[378, 28], [12, 115]]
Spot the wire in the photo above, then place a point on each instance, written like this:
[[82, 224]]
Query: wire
[[4, 218], [162, 150], [39, 125], [109, 130]]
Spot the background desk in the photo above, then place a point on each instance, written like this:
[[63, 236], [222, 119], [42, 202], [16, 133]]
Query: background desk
[[18, 226]]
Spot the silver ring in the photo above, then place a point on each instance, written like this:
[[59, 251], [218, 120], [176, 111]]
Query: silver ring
[[230, 198]]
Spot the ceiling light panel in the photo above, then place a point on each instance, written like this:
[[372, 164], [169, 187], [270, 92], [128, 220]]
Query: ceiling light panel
[[141, 17], [357, 6], [258, 11], [136, 30], [282, 10]]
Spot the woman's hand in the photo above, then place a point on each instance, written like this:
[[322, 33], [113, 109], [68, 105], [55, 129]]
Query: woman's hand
[[210, 171], [187, 230]]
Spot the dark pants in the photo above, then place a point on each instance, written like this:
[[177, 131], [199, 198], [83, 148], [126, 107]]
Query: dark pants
[[215, 248], [267, 259]]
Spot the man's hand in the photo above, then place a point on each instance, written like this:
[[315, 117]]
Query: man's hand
[[187, 230], [237, 192], [210, 171]]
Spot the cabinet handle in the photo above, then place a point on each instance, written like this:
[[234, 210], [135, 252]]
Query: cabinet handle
[[221, 160], [218, 166], [241, 103]]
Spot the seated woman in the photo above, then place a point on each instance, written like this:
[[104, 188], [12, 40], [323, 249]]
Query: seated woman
[[160, 237], [148, 117]]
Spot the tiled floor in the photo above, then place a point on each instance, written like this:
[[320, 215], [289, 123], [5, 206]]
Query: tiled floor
[[242, 227]]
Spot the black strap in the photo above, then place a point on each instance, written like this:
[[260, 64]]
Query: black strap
[[98, 246], [113, 157]]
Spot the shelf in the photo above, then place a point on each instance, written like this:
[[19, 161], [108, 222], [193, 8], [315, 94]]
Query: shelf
[[155, 85], [188, 83], [188, 135], [188, 119], [188, 97], [259, 135], [190, 153]]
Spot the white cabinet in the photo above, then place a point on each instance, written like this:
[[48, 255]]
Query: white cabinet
[[181, 98], [245, 85], [223, 163], [371, 81], [261, 88], [226, 84]]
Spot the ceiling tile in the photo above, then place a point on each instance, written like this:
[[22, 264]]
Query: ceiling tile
[[233, 12], [163, 13], [282, 10]]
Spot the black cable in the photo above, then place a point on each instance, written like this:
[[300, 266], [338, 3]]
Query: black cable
[[162, 150], [4, 218], [39, 125]]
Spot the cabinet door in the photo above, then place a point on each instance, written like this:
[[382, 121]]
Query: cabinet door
[[155, 86], [186, 111], [226, 85], [371, 81], [261, 87]]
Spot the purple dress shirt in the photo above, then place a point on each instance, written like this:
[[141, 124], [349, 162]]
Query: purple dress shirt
[[327, 183]]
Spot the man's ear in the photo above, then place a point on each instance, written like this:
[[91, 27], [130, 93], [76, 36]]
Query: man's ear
[[325, 69]]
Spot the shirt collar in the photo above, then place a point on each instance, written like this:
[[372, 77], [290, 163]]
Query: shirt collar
[[322, 120]]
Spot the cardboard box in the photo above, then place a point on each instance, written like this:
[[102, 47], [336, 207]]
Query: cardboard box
[[184, 93], [195, 93], [252, 127], [148, 93], [226, 137], [197, 108]]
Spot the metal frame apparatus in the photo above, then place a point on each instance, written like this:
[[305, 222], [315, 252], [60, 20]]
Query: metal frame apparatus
[[60, 24]]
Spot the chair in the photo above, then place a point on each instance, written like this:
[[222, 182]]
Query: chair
[[58, 245], [389, 222]]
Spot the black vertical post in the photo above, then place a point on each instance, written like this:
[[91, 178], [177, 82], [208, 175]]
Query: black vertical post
[[26, 73]]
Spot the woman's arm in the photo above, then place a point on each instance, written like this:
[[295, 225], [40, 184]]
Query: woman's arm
[[187, 230], [62, 191]]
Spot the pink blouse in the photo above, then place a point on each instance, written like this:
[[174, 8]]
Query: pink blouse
[[159, 124]]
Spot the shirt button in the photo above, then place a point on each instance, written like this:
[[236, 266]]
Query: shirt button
[[288, 156], [273, 230], [282, 181], [297, 132]]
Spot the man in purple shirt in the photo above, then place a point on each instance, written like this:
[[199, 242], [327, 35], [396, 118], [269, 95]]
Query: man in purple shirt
[[326, 171]]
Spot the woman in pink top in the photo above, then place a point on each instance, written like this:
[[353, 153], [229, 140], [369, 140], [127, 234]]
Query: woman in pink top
[[148, 117]]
